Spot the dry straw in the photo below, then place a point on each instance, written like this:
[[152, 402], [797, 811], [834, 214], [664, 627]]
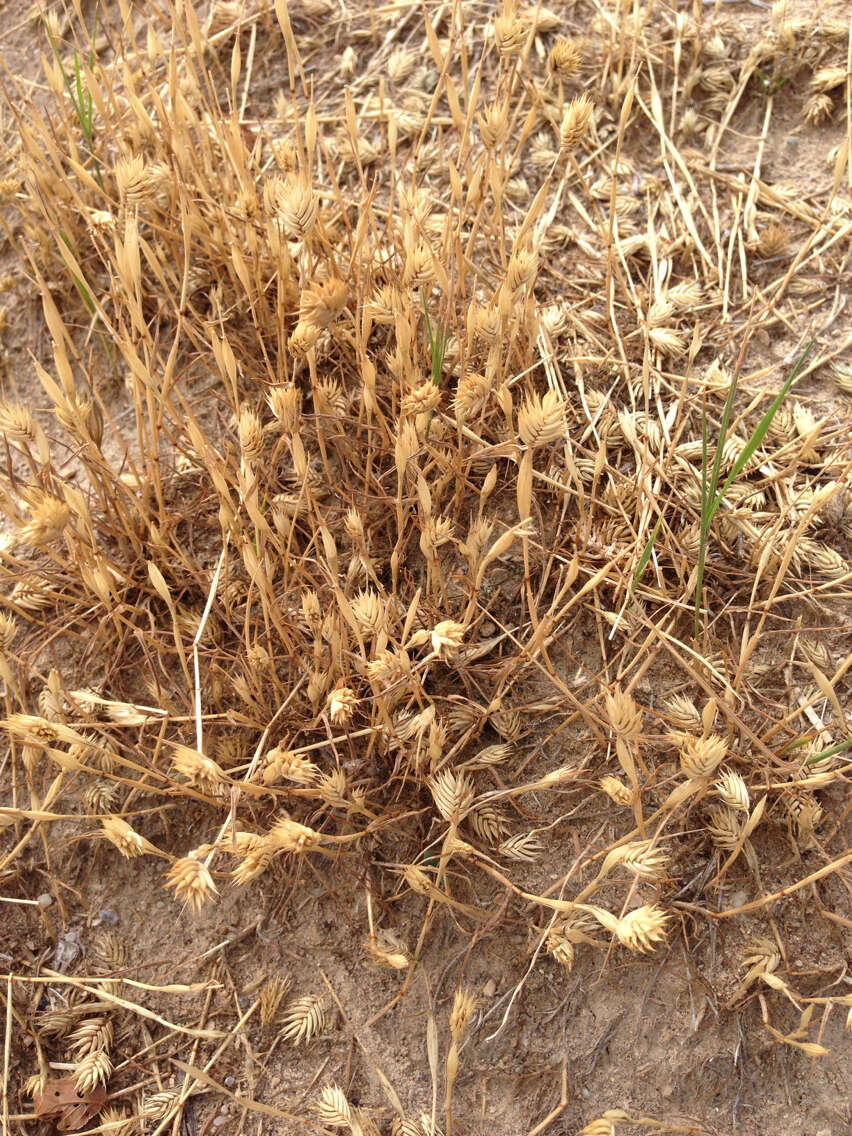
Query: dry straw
[[367, 492]]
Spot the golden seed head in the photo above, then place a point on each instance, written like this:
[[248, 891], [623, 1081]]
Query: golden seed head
[[94, 1069], [818, 108], [47, 521], [732, 790], [521, 269], [725, 826], [285, 402], [191, 881], [288, 835], [494, 125], [333, 1108], [294, 204], [464, 1003], [699, 757], [772, 241], [303, 1019], [199, 770], [134, 180], [272, 993], [564, 59], [453, 794], [641, 928], [304, 339], [250, 434], [541, 420], [616, 790], [624, 714], [446, 638], [341, 705], [129, 842], [509, 34], [575, 123], [421, 399]]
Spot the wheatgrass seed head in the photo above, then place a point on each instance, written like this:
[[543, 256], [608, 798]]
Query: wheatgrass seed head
[[699, 757], [509, 33], [575, 123], [617, 791], [564, 59], [93, 1070]]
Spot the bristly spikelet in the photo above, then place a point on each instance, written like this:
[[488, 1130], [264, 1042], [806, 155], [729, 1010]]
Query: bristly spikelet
[[47, 520], [201, 771], [523, 846], [541, 420], [158, 1105], [818, 108], [828, 78], [90, 1036], [116, 1121], [509, 33], [303, 1020], [564, 59], [575, 123], [250, 434], [446, 639], [773, 240], [683, 712], [129, 842], [453, 794], [616, 790], [464, 1003], [724, 826], [94, 1069], [294, 204], [494, 125], [699, 757], [191, 881], [732, 791], [624, 714], [272, 993], [342, 703], [422, 398], [639, 930], [488, 824], [282, 764], [333, 1108]]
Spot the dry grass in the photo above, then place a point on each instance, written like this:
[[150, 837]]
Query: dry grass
[[339, 594]]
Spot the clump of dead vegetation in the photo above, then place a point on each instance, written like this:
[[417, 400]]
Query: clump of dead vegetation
[[425, 384]]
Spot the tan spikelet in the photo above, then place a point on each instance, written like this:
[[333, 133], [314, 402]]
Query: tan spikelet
[[191, 881], [303, 1020]]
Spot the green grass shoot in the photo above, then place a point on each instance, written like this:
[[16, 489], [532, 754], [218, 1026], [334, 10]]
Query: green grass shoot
[[711, 495]]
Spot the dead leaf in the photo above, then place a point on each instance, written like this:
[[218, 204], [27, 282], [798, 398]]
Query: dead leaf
[[60, 1098]]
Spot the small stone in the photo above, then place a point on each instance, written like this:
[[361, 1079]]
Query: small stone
[[219, 1121], [45, 899], [489, 989], [230, 1082], [107, 915]]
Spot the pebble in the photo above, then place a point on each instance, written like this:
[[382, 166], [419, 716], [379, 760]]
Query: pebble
[[107, 915], [219, 1121], [45, 899], [230, 1082]]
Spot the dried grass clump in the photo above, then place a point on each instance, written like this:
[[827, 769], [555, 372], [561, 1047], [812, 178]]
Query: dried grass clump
[[378, 483]]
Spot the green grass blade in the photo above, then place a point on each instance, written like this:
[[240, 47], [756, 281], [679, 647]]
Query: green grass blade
[[703, 531], [761, 428], [841, 747], [646, 555]]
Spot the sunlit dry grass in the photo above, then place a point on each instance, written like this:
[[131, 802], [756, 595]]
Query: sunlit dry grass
[[415, 361]]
